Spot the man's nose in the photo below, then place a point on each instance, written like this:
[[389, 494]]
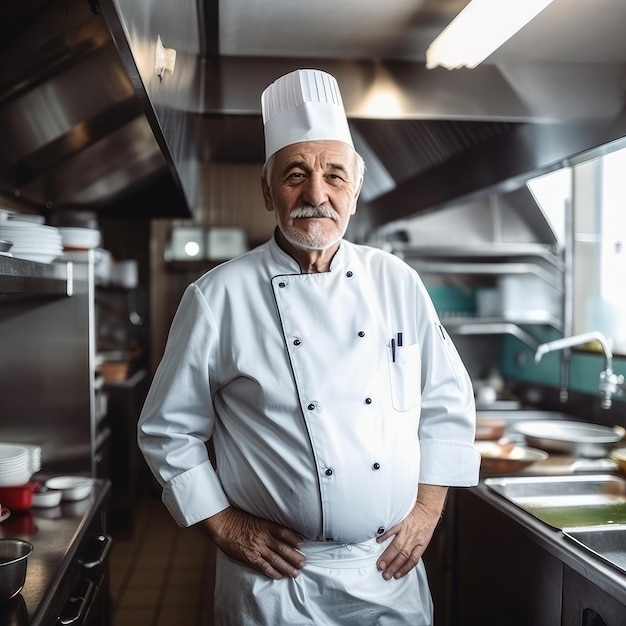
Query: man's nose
[[314, 192]]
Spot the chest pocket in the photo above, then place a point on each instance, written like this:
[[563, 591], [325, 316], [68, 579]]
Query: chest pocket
[[405, 377]]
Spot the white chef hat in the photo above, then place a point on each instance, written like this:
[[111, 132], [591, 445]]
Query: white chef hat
[[304, 105]]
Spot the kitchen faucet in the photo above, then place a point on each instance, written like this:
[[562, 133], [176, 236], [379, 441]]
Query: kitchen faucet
[[610, 382]]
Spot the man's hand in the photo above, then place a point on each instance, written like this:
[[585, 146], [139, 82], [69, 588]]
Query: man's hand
[[270, 548], [412, 534]]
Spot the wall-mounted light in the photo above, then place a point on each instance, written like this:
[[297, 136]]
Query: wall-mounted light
[[480, 29]]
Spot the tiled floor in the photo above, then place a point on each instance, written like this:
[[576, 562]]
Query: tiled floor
[[161, 575]]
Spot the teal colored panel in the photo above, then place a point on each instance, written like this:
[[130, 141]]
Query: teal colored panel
[[518, 363], [449, 300]]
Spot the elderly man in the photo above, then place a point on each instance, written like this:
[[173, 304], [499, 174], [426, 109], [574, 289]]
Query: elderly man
[[339, 410]]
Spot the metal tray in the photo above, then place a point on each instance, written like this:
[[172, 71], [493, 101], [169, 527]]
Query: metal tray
[[608, 542], [567, 502]]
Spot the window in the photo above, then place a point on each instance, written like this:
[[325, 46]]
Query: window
[[599, 225], [596, 192]]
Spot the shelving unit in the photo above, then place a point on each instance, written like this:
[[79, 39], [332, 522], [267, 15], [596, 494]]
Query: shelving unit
[[19, 277], [47, 375], [492, 260]]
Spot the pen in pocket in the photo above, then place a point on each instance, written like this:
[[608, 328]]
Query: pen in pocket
[[396, 342]]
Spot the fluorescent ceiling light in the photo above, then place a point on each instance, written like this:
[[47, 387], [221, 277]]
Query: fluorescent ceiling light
[[479, 29]]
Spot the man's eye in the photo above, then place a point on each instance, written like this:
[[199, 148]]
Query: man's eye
[[335, 177], [296, 175]]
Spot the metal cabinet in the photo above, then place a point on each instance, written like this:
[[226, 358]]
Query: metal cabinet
[[502, 576], [585, 604]]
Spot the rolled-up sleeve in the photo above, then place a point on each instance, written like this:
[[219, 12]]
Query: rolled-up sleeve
[[178, 416], [448, 414]]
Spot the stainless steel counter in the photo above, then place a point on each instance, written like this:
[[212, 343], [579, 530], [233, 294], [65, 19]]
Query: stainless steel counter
[[591, 567], [58, 534]]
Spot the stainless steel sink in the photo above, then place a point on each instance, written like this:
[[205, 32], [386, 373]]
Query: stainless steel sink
[[608, 542], [567, 502]]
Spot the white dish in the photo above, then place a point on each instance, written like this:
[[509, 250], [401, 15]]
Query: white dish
[[12, 453], [72, 488], [4, 513], [47, 499], [82, 238], [5, 214], [17, 477], [28, 217], [37, 258]]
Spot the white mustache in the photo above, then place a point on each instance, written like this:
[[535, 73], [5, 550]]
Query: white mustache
[[314, 211]]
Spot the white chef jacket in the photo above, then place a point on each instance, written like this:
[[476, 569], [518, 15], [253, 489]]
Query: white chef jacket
[[318, 423]]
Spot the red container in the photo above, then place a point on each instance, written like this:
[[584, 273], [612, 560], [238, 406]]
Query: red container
[[18, 498]]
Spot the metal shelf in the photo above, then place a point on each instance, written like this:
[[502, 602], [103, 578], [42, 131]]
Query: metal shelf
[[496, 326], [496, 269], [485, 249], [19, 277]]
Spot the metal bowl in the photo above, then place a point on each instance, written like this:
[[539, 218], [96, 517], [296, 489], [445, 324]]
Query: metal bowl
[[579, 439], [13, 560]]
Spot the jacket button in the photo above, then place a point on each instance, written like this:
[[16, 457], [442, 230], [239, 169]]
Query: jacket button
[[361, 333], [376, 466], [381, 530], [311, 407], [296, 342], [368, 401], [282, 284], [328, 472], [349, 274]]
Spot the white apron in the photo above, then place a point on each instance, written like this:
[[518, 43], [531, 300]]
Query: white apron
[[340, 586]]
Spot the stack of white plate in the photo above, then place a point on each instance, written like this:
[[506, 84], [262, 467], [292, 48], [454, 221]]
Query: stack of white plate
[[32, 241], [34, 456], [16, 465]]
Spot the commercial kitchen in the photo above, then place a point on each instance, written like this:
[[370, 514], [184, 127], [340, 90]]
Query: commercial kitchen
[[131, 149]]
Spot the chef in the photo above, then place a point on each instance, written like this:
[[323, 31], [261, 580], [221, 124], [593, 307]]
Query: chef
[[338, 408]]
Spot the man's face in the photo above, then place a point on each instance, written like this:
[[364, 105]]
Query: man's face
[[313, 188]]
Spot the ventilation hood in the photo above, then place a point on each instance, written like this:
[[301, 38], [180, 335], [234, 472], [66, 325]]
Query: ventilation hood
[[73, 133], [87, 120]]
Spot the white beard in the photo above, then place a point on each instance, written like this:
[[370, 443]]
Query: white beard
[[316, 237]]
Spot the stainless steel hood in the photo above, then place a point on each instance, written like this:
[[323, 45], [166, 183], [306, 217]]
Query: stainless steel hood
[[549, 96], [85, 119], [72, 130]]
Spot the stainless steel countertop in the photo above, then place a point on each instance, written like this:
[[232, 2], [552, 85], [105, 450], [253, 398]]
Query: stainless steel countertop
[[591, 567], [56, 534]]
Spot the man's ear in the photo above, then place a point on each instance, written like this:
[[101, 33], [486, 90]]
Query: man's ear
[[267, 195]]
